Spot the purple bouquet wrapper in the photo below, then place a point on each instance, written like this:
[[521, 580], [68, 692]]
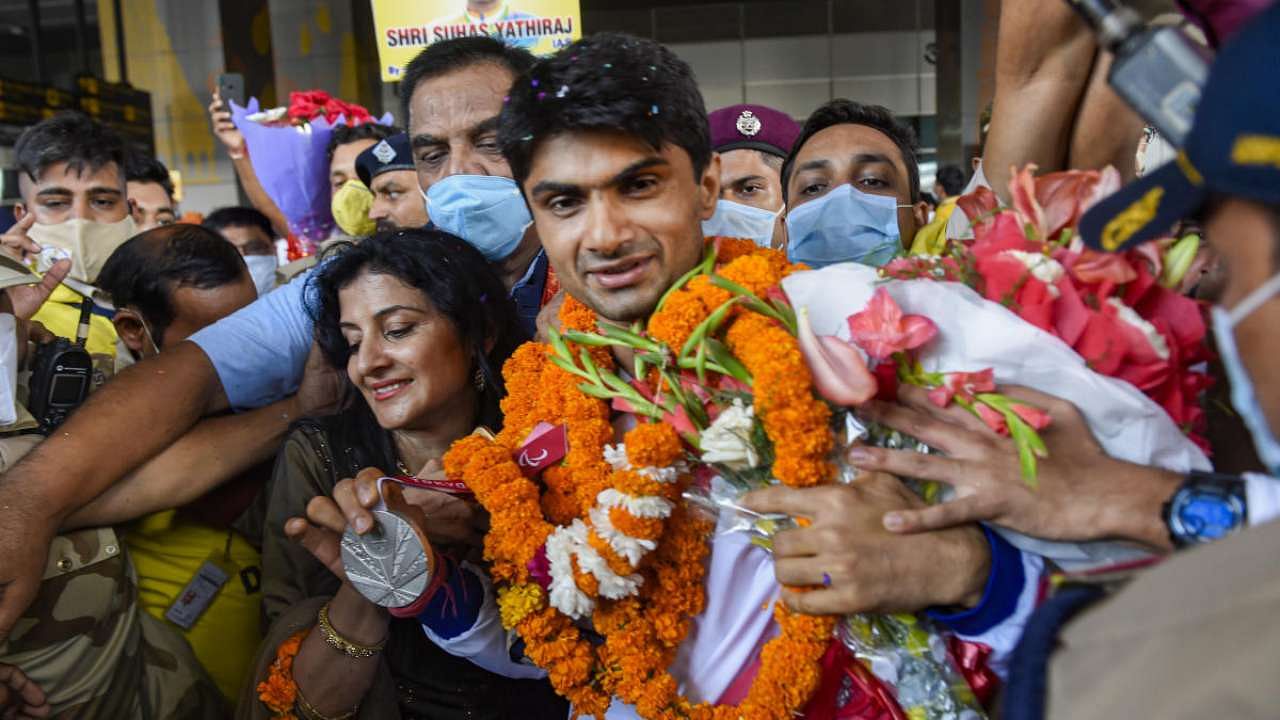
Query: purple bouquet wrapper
[[291, 165]]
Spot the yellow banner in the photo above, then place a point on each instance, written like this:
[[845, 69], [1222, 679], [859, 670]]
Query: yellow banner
[[406, 27]]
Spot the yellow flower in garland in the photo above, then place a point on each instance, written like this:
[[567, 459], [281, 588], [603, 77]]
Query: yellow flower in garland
[[515, 602]]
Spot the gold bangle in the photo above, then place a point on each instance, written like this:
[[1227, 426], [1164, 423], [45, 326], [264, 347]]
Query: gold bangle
[[309, 711], [337, 642]]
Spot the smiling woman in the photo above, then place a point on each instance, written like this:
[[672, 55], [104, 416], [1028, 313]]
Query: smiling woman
[[420, 325]]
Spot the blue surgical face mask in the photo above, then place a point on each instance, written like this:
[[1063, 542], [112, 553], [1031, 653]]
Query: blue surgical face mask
[[845, 225], [1243, 395], [736, 220], [485, 210]]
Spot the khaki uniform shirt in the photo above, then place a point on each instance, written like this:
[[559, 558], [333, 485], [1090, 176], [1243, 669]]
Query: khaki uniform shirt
[[1195, 637]]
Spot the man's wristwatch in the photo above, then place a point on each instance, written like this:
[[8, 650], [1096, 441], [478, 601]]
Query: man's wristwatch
[[1207, 507]]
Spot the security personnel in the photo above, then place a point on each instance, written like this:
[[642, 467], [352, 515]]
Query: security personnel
[[753, 141], [387, 170]]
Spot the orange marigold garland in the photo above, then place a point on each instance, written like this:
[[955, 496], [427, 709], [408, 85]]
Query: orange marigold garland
[[606, 503], [279, 692]]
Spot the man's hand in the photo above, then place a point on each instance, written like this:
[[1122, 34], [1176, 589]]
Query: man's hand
[[321, 389], [25, 300], [858, 566], [16, 243], [1081, 493], [20, 698], [224, 129]]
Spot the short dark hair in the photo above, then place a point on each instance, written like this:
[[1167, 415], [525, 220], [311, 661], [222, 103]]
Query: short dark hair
[[446, 56], [140, 167], [145, 271], [345, 134], [849, 112], [608, 81], [457, 282], [951, 178], [68, 137], [237, 216]]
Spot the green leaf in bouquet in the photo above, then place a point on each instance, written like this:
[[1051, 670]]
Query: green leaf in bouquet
[[570, 367], [589, 339], [639, 365], [700, 363], [707, 327], [707, 265], [588, 365], [558, 344], [628, 338], [719, 353]]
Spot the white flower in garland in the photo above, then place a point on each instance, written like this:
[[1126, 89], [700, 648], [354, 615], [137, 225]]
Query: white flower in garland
[[728, 440]]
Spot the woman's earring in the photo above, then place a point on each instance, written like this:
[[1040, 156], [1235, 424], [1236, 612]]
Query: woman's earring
[[479, 379]]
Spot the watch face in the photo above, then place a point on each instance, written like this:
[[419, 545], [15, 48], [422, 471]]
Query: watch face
[[1206, 516]]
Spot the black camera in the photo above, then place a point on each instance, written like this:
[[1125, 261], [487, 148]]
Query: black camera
[[61, 373]]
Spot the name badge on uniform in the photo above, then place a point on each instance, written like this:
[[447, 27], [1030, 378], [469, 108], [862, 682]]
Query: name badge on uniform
[[199, 593]]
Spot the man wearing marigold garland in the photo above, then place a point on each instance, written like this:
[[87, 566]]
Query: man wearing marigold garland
[[616, 165]]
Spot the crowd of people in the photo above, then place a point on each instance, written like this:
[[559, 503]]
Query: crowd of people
[[181, 544]]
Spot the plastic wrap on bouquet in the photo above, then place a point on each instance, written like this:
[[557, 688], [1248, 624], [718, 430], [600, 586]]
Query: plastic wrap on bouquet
[[975, 333], [290, 162], [914, 674]]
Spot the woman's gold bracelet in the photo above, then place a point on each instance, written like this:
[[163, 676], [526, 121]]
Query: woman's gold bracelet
[[337, 642], [309, 712]]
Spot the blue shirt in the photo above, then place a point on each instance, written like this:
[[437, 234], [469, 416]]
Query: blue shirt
[[260, 351]]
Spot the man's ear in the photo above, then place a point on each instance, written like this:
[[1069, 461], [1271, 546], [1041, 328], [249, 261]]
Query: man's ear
[[134, 211], [709, 187], [131, 331], [920, 211], [19, 211]]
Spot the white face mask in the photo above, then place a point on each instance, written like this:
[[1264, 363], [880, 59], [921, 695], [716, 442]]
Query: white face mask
[[262, 268], [1244, 396], [86, 243], [8, 370], [736, 220]]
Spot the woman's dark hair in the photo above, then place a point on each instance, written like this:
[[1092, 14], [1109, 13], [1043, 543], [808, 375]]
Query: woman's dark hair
[[459, 284]]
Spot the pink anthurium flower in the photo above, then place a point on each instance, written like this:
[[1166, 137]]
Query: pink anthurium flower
[[882, 330], [840, 375]]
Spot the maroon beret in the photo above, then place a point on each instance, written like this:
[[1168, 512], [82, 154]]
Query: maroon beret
[[753, 126]]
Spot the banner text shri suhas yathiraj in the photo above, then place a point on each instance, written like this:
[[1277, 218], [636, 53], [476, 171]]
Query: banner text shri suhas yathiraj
[[519, 31]]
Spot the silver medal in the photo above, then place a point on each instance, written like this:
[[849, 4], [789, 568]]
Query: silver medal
[[388, 564]]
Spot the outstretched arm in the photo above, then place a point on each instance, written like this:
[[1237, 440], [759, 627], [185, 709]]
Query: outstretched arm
[[131, 419], [1044, 60], [233, 140]]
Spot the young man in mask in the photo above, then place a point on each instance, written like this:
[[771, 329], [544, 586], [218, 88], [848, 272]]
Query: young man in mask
[[852, 187], [250, 232], [71, 175], [387, 170], [752, 142]]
